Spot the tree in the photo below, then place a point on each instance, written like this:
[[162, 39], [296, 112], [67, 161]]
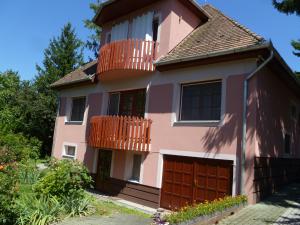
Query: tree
[[93, 43], [290, 7], [63, 55]]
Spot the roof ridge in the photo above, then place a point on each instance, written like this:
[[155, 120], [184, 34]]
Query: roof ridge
[[255, 35]]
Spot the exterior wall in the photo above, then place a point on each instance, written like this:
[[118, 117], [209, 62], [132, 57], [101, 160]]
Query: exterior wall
[[274, 118], [168, 136], [67, 133], [268, 167], [176, 22]]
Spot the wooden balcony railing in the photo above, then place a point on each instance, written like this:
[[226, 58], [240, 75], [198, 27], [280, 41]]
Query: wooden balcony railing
[[118, 132], [127, 54]]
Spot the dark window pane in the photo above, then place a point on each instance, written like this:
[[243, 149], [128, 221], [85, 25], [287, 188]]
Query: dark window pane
[[132, 103], [136, 167], [201, 101], [114, 100], [78, 108], [287, 144]]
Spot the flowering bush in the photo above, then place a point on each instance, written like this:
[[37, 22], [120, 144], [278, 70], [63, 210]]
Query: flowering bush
[[206, 208]]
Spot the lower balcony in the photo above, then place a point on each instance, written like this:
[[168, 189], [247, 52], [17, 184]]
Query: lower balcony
[[132, 54], [121, 133]]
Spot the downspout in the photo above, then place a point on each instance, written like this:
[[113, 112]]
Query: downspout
[[244, 131]]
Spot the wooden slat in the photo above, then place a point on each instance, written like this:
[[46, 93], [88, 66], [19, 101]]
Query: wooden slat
[[118, 132], [127, 54]]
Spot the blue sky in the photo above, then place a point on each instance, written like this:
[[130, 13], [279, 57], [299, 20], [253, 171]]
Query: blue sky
[[27, 26]]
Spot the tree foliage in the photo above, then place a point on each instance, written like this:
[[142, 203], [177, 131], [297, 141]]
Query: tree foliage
[[63, 55], [93, 43], [288, 6], [29, 107]]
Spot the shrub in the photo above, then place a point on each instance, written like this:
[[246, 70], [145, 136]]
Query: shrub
[[8, 192], [38, 210], [16, 147], [206, 208], [64, 178]]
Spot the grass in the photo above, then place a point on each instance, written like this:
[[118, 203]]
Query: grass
[[106, 207]]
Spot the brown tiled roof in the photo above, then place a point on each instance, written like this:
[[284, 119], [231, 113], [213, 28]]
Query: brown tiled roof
[[82, 74], [219, 34]]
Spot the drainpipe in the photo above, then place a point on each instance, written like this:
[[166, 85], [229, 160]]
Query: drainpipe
[[244, 132]]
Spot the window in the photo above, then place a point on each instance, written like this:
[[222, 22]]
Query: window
[[78, 108], [201, 101], [136, 168], [69, 152], [287, 143], [114, 100], [155, 25], [127, 103]]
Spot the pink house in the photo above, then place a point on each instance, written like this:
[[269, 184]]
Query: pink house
[[184, 104]]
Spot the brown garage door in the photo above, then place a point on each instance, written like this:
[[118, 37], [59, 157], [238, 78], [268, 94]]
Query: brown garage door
[[187, 180]]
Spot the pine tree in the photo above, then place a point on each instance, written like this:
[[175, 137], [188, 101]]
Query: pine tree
[[93, 43], [63, 55]]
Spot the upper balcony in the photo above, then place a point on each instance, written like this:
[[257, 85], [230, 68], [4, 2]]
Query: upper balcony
[[131, 54]]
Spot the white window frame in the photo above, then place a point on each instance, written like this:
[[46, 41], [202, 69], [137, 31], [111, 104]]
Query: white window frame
[[64, 149], [129, 167], [209, 123]]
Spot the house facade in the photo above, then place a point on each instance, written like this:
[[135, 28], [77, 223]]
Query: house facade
[[184, 104]]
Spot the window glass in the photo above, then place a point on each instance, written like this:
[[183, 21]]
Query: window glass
[[132, 103], [201, 101], [136, 167], [69, 152], [78, 108], [114, 100], [287, 143]]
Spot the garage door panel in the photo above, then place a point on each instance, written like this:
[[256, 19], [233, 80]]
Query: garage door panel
[[186, 180]]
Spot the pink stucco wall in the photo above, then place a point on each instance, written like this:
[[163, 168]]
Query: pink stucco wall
[[76, 134], [176, 23], [274, 118]]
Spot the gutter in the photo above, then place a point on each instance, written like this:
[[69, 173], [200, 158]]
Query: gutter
[[244, 131]]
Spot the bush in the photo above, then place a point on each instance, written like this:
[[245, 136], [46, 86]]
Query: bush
[[35, 210], [206, 208], [16, 147], [8, 192], [64, 178]]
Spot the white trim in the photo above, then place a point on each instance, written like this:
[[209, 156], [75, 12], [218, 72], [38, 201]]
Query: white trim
[[160, 166], [68, 144], [146, 115], [129, 167], [208, 155]]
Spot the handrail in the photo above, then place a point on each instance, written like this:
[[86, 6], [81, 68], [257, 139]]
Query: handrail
[[120, 132], [128, 54]]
